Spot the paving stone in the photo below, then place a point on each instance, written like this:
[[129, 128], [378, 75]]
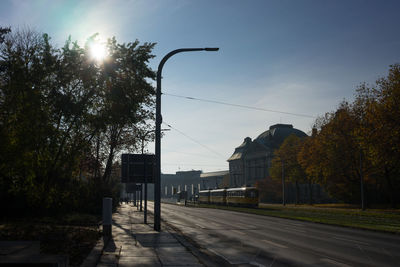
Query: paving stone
[[137, 244], [171, 250], [101, 264], [108, 258], [178, 260], [137, 252], [183, 254], [139, 261], [160, 245], [191, 265]]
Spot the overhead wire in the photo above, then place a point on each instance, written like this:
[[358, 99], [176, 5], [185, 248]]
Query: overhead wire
[[193, 164], [227, 104], [187, 153], [194, 140], [239, 105]]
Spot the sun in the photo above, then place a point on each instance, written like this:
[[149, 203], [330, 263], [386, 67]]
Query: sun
[[98, 51]]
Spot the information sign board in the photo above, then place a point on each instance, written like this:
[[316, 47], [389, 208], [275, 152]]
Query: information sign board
[[136, 167], [132, 187]]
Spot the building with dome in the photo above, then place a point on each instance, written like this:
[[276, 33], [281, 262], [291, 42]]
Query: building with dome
[[251, 160]]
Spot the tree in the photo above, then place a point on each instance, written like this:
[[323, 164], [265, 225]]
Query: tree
[[286, 155], [127, 96], [26, 63], [380, 132], [339, 153], [270, 190], [359, 142], [308, 157], [64, 116]]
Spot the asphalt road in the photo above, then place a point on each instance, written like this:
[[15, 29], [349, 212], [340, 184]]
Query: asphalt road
[[247, 239]]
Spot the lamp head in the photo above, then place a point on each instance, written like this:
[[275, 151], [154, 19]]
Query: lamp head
[[211, 48]]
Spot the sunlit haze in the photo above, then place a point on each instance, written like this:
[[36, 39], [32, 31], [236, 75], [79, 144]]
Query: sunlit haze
[[297, 57], [98, 51]]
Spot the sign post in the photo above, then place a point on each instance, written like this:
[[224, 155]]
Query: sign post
[[145, 196], [138, 168]]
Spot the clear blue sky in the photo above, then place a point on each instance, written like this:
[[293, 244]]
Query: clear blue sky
[[293, 56]]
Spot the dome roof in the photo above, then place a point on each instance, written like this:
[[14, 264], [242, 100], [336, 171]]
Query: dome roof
[[267, 141], [240, 149], [276, 134]]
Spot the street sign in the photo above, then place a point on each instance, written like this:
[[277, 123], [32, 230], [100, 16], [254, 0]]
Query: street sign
[[132, 187], [137, 168]]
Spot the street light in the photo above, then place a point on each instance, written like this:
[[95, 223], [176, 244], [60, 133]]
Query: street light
[[157, 180]]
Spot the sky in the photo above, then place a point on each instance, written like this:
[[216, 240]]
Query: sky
[[302, 57]]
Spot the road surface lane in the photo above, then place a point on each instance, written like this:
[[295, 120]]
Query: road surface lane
[[243, 238]]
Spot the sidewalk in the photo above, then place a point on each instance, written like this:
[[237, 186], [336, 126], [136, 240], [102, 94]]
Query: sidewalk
[[136, 244]]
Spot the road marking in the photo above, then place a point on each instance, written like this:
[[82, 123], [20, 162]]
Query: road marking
[[257, 264], [274, 244], [241, 225], [350, 240], [365, 253], [296, 230], [335, 262], [387, 252], [202, 227], [295, 224], [238, 232]]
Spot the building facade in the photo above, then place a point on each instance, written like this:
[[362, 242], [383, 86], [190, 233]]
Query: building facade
[[188, 181], [251, 160], [191, 182], [212, 180]]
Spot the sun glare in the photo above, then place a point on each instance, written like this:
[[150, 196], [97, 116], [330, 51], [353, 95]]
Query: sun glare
[[98, 51]]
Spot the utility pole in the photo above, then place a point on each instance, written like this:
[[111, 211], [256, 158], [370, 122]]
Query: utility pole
[[157, 180], [143, 138], [283, 185], [362, 182], [361, 167]]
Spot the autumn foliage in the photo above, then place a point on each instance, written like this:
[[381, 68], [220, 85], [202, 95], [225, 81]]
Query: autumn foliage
[[360, 141]]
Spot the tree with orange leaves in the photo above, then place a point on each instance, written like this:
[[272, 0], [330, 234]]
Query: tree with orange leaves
[[380, 131], [287, 155]]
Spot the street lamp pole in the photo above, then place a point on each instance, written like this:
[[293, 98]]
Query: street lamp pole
[[362, 181], [283, 185], [157, 180], [143, 137]]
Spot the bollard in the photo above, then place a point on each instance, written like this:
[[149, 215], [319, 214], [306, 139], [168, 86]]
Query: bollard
[[107, 217]]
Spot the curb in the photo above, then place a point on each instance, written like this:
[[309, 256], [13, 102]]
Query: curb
[[94, 256]]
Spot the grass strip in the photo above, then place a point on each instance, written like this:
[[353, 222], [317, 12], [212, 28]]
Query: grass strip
[[377, 220]]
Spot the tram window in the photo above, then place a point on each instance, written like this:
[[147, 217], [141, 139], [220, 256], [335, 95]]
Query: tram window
[[252, 194]]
